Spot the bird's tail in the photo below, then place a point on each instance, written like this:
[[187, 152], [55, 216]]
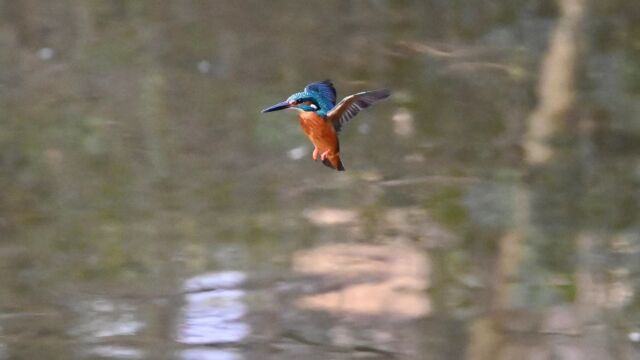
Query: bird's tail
[[333, 161]]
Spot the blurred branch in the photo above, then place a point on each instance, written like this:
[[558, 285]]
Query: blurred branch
[[430, 179], [557, 83], [430, 50]]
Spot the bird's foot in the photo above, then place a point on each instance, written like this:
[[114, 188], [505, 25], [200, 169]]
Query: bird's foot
[[315, 154], [324, 155]]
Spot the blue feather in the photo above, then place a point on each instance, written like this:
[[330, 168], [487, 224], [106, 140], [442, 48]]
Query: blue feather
[[323, 88]]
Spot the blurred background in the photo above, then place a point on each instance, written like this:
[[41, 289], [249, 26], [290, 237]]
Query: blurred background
[[490, 208]]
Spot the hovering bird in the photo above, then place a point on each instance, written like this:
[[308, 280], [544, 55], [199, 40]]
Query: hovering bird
[[321, 119]]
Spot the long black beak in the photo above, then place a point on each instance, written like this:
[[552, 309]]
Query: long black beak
[[278, 106]]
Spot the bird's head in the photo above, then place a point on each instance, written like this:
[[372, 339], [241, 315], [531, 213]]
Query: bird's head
[[302, 101], [317, 97]]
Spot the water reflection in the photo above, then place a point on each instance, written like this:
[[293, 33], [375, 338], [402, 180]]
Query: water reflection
[[387, 280], [116, 352], [330, 216], [106, 318], [213, 310], [103, 321], [208, 354], [491, 211]]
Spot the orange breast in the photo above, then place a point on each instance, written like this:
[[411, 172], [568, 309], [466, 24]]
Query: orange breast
[[320, 131]]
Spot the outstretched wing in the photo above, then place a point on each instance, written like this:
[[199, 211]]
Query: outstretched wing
[[350, 106]]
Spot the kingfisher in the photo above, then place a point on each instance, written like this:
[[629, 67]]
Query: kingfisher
[[321, 119]]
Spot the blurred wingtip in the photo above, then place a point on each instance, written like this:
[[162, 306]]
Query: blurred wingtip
[[383, 93]]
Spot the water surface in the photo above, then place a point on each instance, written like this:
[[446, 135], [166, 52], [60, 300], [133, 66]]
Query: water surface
[[489, 209]]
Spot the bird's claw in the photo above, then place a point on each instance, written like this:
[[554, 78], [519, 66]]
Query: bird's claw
[[324, 155], [315, 154]]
